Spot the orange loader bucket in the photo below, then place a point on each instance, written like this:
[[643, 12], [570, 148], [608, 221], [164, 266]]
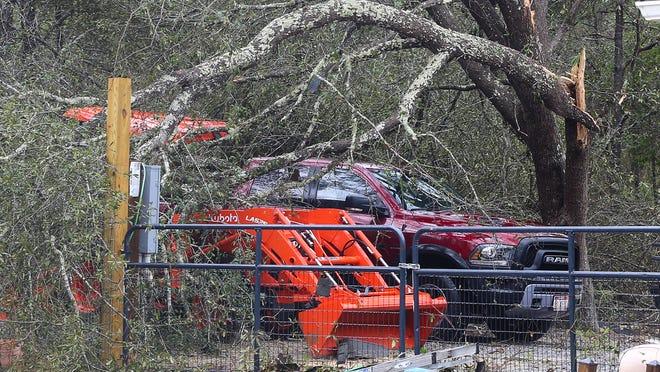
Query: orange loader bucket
[[371, 318]]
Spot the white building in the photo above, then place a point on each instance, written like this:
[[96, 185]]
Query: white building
[[650, 9]]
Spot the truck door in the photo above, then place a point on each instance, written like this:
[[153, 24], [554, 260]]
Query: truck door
[[335, 190]]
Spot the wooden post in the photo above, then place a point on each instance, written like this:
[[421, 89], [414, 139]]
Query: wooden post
[[587, 365], [653, 366], [118, 143]]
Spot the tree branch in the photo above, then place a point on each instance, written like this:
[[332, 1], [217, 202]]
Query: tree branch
[[408, 24], [292, 97], [354, 112], [521, 29], [429, 3], [497, 93], [460, 88], [569, 21], [387, 46], [282, 102], [488, 19], [66, 282], [175, 114], [366, 53], [421, 83], [285, 4], [19, 150], [322, 66], [73, 101], [280, 73], [159, 87], [325, 148], [316, 113], [213, 72]]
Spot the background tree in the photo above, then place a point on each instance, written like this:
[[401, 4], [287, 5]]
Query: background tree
[[469, 93]]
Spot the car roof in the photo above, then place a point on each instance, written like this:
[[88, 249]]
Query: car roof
[[319, 162]]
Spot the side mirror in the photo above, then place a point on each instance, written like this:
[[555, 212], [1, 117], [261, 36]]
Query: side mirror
[[365, 205]]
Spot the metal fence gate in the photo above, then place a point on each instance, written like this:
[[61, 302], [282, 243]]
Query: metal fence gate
[[253, 336]]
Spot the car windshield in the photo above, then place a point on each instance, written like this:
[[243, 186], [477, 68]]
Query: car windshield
[[415, 193]]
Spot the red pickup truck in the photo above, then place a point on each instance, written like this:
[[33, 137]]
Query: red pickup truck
[[520, 309]]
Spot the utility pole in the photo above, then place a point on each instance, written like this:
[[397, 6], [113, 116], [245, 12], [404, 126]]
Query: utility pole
[[116, 221]]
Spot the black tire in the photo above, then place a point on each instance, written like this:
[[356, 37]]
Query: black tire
[[518, 330], [452, 325]]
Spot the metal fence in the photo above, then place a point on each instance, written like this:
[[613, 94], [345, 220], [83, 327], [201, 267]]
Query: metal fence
[[225, 318], [627, 317]]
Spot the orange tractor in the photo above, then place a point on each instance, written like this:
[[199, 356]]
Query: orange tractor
[[331, 306]]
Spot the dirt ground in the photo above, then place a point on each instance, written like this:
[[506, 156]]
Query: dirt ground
[[549, 354]]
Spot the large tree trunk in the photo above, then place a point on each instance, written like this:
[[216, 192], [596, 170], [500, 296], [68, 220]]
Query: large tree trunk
[[544, 145], [561, 180], [577, 169], [540, 132], [617, 83], [526, 115], [577, 188]]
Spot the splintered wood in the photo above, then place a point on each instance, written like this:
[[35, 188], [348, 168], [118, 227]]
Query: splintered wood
[[577, 75]]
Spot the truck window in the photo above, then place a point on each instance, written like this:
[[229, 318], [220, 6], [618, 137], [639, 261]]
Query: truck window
[[282, 185], [336, 185], [415, 193]]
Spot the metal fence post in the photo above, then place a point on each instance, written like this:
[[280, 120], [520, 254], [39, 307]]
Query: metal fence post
[[402, 296], [571, 299], [415, 282], [587, 365], [257, 299], [126, 330]]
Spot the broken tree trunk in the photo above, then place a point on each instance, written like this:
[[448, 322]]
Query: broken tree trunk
[[577, 178]]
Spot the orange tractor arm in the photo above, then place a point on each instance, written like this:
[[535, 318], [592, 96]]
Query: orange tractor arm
[[358, 305]]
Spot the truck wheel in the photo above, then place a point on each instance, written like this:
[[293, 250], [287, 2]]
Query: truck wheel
[[519, 330], [452, 325]]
